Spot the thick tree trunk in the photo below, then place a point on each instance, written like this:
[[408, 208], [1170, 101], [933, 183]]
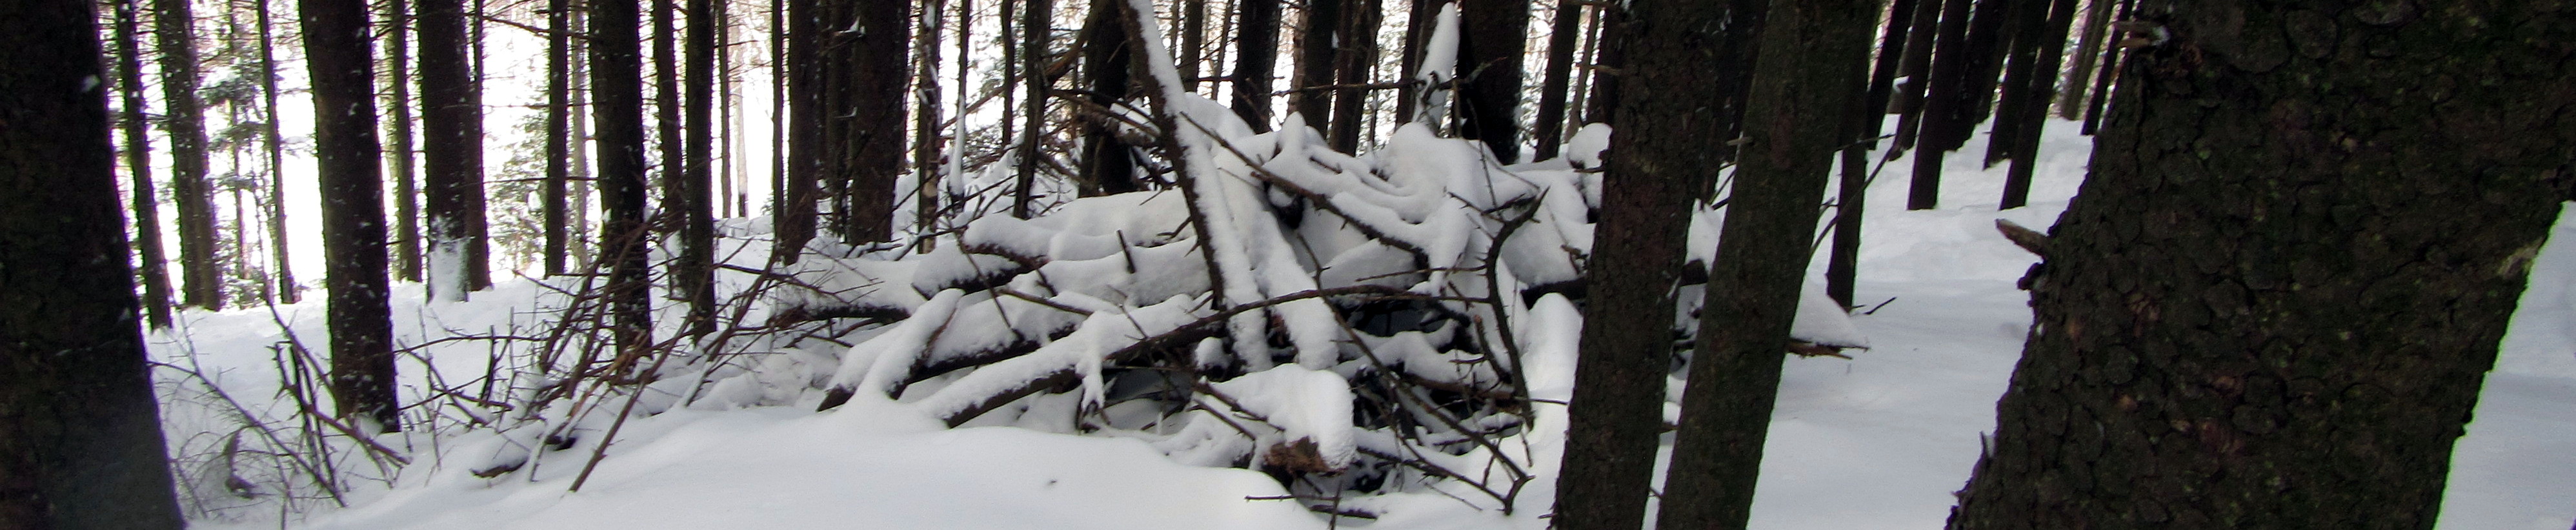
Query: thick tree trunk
[[80, 438], [793, 216], [2275, 297], [1257, 53], [406, 236], [617, 86], [353, 211], [153, 265], [694, 274], [200, 274], [1492, 35], [1810, 73], [451, 117], [1662, 147], [1107, 165], [872, 99]]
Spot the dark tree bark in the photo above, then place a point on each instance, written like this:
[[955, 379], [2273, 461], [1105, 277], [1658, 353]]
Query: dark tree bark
[[1810, 73], [558, 133], [1963, 81], [80, 438], [1193, 43], [353, 212], [1036, 28], [1738, 52], [287, 291], [1617, 409], [925, 119], [1491, 36], [2290, 330], [1417, 31], [617, 88], [793, 215], [2103, 76], [406, 237], [1318, 39], [2088, 43], [1357, 58], [1843, 266], [451, 117], [1916, 68], [2032, 106], [200, 274], [695, 274], [1561, 36], [669, 148], [138, 163], [1108, 167], [1607, 62], [872, 99], [1257, 53]]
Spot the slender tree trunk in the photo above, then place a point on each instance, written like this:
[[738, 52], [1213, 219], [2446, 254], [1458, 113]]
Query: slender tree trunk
[[1035, 28], [80, 438], [1842, 266], [452, 155], [793, 220], [201, 274], [1617, 408], [1552, 92], [670, 149], [287, 290], [695, 274], [1916, 68], [582, 235], [1810, 73], [138, 163], [2039, 90], [2290, 332], [1358, 56], [1318, 36], [1107, 166], [1193, 43], [1257, 54], [1492, 35], [406, 238], [1601, 103], [2070, 103], [617, 84], [1949, 68], [1737, 57], [1417, 30], [353, 212], [925, 116], [558, 132], [2103, 77]]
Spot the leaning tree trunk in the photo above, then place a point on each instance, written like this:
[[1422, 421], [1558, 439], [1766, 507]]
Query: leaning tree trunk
[[353, 210], [452, 154], [2274, 299], [200, 274], [1810, 74], [80, 439], [1627, 344]]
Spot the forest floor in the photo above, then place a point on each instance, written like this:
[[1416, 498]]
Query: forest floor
[[1877, 441]]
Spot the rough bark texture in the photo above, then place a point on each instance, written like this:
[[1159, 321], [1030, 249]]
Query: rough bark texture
[[1627, 343], [353, 210], [2273, 301], [1257, 53], [617, 86], [200, 274], [1492, 34], [153, 265], [451, 118], [80, 436], [1810, 73]]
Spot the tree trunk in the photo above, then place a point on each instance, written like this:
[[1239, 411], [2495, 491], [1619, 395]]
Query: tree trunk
[[1357, 57], [1036, 28], [2070, 103], [2291, 330], [1257, 54], [406, 237], [80, 437], [925, 118], [2033, 112], [617, 86], [138, 163], [1193, 43], [1492, 35], [695, 274], [1916, 67], [793, 218], [451, 117], [1318, 36], [1417, 30], [1627, 343], [1810, 73], [1600, 105], [558, 132], [669, 148], [287, 291], [1107, 165], [872, 98], [353, 211], [201, 276], [1550, 129]]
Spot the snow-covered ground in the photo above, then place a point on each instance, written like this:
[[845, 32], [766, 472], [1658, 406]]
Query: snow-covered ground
[[1879, 441]]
